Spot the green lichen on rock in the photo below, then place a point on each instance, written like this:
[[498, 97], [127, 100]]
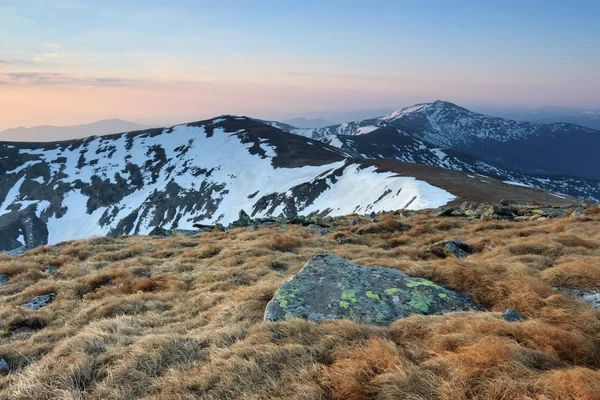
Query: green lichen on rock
[[350, 295], [331, 288], [420, 301], [372, 295]]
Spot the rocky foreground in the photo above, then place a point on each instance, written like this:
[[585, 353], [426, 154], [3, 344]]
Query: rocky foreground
[[478, 301]]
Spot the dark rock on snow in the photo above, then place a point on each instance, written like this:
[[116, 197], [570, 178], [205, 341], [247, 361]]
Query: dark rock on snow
[[328, 287]]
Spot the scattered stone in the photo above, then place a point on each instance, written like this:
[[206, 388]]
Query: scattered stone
[[450, 248], [514, 205], [39, 301], [15, 252], [162, 232], [328, 287], [306, 221], [4, 278], [243, 220], [279, 267], [590, 296], [51, 270], [446, 212], [494, 211], [550, 212], [3, 367], [240, 279], [204, 228], [343, 240], [158, 231], [22, 329], [578, 212], [511, 315]]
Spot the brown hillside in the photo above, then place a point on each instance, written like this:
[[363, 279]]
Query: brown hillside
[[181, 318]]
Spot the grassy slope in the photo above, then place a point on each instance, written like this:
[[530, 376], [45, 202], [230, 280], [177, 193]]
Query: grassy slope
[[181, 318]]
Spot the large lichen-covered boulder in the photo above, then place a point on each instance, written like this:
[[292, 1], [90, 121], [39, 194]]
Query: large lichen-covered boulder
[[328, 287]]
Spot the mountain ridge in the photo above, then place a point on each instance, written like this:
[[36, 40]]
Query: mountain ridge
[[205, 173]]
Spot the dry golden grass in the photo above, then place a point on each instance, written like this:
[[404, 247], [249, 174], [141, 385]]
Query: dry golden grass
[[181, 318]]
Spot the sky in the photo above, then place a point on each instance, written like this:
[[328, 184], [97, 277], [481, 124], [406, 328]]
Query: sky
[[66, 62]]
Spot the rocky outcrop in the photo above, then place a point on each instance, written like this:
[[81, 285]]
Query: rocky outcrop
[[510, 210], [328, 287]]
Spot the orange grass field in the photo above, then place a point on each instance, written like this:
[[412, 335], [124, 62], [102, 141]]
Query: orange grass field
[[181, 317]]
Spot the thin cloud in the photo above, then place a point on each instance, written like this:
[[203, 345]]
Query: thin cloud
[[332, 75], [56, 78], [14, 62], [53, 45]]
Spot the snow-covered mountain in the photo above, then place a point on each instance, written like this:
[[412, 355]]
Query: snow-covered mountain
[[557, 157], [197, 173]]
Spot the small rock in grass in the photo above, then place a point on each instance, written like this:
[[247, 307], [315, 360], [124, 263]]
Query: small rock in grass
[[511, 315], [40, 301]]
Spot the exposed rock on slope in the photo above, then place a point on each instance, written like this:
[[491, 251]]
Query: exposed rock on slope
[[331, 288]]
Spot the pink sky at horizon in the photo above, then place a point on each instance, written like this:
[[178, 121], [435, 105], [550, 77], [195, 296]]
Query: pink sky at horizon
[[283, 96]]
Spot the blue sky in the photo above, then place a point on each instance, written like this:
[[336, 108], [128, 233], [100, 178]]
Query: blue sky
[[325, 54]]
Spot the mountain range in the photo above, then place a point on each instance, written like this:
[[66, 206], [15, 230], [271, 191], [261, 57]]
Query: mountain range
[[205, 172], [49, 133], [559, 157]]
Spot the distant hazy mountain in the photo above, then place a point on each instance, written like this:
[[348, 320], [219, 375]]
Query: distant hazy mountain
[[308, 123], [48, 133], [590, 118]]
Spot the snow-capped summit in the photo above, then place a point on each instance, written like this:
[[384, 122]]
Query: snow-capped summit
[[542, 149]]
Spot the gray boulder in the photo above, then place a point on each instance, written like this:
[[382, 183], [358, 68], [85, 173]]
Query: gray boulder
[[328, 287], [450, 248], [40, 301]]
